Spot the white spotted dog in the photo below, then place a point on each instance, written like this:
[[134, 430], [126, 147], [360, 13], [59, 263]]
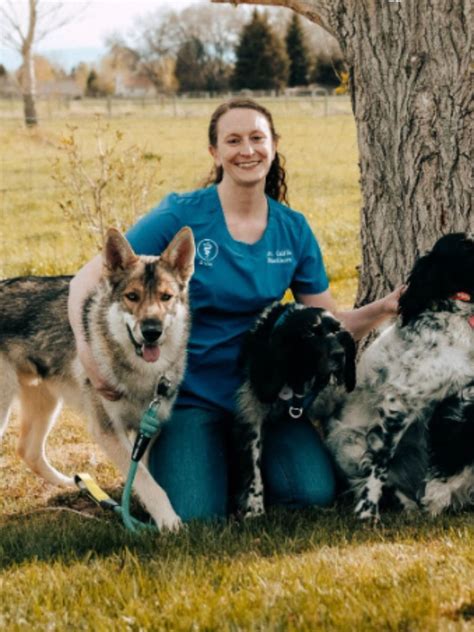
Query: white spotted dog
[[290, 356], [407, 430]]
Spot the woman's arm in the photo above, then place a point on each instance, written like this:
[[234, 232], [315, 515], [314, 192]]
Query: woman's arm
[[359, 321], [80, 288]]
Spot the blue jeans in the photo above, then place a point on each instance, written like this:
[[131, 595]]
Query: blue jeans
[[190, 461]]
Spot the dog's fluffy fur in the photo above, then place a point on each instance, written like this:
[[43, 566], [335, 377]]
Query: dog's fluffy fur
[[408, 427], [136, 323], [292, 350]]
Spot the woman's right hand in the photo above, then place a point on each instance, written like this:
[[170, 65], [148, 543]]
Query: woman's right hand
[[81, 286], [95, 377]]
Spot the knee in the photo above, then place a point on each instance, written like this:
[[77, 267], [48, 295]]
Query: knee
[[320, 492], [298, 469], [313, 487]]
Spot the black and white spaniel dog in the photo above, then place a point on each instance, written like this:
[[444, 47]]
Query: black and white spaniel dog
[[407, 430], [290, 356]]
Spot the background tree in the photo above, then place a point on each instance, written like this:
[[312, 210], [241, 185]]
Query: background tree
[[80, 73], [159, 36], [218, 28], [42, 19], [190, 69], [261, 60], [297, 53], [156, 39], [97, 85], [409, 74], [327, 70]]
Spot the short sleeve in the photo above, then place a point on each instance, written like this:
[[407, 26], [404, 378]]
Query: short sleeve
[[310, 275], [154, 231]]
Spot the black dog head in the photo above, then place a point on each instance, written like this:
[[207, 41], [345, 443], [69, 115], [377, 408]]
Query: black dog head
[[448, 268], [302, 349]]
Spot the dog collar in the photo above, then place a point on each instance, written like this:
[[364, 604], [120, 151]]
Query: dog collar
[[297, 403], [462, 296], [466, 298]]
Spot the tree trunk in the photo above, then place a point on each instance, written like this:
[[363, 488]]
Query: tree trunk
[[29, 90], [28, 75], [411, 97]]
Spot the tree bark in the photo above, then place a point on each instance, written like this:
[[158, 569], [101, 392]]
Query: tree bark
[[28, 75], [412, 103], [29, 90]]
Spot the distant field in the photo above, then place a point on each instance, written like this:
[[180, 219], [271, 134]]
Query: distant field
[[321, 157]]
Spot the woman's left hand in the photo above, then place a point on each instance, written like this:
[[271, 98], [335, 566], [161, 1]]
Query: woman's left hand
[[391, 300]]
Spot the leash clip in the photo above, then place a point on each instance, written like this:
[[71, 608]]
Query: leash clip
[[295, 412], [150, 423]]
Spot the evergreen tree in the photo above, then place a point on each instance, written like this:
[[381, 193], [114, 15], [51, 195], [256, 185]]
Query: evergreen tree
[[297, 53], [327, 71], [190, 68], [262, 62], [92, 85]]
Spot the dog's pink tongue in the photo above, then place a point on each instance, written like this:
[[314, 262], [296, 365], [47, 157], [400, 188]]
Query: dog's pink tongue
[[151, 354]]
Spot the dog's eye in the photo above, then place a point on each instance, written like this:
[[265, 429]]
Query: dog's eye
[[166, 297], [132, 296]]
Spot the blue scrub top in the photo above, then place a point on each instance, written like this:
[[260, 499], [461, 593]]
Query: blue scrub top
[[233, 282]]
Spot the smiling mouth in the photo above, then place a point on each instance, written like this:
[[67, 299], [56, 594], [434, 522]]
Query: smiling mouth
[[248, 165], [149, 352]]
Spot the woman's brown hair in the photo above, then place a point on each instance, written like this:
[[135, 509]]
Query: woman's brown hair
[[275, 184]]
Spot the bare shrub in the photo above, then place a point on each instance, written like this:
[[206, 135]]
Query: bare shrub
[[110, 185]]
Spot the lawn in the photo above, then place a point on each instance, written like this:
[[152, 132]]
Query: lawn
[[65, 565]]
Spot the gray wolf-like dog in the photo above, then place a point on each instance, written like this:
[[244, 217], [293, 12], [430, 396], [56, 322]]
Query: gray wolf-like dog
[[136, 322], [290, 357], [408, 427]]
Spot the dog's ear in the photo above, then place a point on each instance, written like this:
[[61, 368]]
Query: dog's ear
[[117, 253], [180, 254], [422, 288], [349, 345], [263, 368], [437, 275]]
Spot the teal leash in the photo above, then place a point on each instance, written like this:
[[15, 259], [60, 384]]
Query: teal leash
[[150, 424]]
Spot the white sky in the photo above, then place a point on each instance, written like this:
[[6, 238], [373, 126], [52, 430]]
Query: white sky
[[96, 19]]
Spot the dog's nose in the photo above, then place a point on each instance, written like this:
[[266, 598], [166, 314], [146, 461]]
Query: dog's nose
[[151, 330]]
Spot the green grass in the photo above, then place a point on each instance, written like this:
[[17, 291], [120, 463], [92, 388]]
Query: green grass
[[308, 570], [304, 570]]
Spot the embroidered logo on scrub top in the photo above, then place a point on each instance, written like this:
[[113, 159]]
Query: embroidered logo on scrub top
[[207, 251], [279, 256]]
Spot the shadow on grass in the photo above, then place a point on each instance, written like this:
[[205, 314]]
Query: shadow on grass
[[67, 537]]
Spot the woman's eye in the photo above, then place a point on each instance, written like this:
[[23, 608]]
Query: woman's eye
[[166, 297], [132, 296]]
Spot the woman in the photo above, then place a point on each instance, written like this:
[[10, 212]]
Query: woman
[[250, 249]]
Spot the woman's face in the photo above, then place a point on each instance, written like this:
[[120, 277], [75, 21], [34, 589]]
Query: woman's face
[[245, 148]]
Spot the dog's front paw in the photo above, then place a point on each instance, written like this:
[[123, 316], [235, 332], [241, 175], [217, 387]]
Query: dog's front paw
[[168, 522], [437, 497], [252, 508], [367, 511], [253, 512]]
